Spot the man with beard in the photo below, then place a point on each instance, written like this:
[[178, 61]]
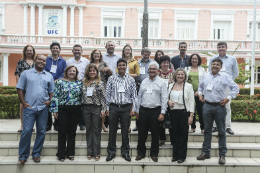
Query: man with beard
[[143, 65], [110, 57], [181, 60], [212, 91], [229, 67], [81, 64], [56, 66], [39, 86], [152, 101]]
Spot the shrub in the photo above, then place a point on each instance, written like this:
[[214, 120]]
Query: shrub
[[245, 110], [247, 97], [9, 106], [246, 91]]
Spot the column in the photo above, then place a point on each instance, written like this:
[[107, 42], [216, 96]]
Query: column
[[208, 59], [40, 39], [247, 67], [80, 21], [3, 19], [72, 24], [25, 19], [64, 23], [32, 22], [5, 69]]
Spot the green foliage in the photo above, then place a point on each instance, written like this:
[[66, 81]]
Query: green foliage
[[244, 75], [7, 87], [246, 91], [9, 106], [247, 97], [204, 66]]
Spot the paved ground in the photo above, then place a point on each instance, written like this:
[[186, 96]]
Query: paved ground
[[238, 127]]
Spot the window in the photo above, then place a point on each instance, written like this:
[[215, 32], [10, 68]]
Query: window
[[257, 31], [221, 30], [153, 28], [1, 24], [185, 29], [112, 27]]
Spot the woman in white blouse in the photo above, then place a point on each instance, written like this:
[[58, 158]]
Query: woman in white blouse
[[181, 112]]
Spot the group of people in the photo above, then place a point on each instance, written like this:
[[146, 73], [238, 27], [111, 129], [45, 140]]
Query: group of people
[[79, 91]]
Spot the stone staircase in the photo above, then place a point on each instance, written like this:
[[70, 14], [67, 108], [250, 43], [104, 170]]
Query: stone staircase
[[243, 156]]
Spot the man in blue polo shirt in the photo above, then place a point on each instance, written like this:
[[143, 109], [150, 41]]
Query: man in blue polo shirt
[[38, 86], [56, 66]]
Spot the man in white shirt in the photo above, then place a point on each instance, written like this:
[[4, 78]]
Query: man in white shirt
[[81, 64], [111, 57]]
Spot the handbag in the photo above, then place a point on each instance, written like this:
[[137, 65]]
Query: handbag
[[166, 123]]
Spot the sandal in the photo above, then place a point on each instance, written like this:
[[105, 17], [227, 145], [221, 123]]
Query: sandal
[[104, 129], [202, 131], [33, 130], [62, 160], [71, 158], [161, 143], [129, 130], [89, 157], [20, 131], [97, 158], [192, 131]]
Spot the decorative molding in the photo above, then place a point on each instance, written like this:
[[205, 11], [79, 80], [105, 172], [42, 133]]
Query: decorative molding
[[72, 7], [150, 10], [32, 5], [186, 11], [25, 6], [80, 8], [64, 6], [223, 11], [113, 9], [40, 6]]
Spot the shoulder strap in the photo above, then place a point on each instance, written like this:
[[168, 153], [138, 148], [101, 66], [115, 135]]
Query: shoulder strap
[[183, 98], [171, 91]]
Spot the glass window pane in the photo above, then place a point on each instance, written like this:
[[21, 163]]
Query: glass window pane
[[119, 31], [218, 33], [105, 31], [114, 31]]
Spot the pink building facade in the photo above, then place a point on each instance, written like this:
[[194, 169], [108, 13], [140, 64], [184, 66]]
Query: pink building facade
[[91, 23]]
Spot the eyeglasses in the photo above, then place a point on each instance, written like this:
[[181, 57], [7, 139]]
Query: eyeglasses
[[153, 69]]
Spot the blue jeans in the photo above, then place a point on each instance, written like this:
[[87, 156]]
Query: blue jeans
[[217, 113], [29, 117]]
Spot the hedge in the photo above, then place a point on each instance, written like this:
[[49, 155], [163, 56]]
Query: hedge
[[247, 97], [246, 91], [9, 106]]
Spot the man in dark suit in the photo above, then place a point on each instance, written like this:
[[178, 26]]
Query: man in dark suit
[[181, 60]]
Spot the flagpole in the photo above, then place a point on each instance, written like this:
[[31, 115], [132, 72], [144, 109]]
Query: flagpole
[[253, 54]]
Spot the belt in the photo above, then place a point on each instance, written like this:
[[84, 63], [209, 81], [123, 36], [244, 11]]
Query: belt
[[150, 108], [212, 103], [120, 106]]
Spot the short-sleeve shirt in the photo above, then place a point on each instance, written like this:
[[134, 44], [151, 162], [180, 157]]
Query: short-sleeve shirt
[[38, 86]]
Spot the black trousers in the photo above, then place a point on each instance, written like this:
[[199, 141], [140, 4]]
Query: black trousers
[[68, 119], [199, 106], [148, 118], [81, 120], [162, 133], [179, 133], [116, 113], [49, 123]]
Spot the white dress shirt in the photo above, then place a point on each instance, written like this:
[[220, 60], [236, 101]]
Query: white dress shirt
[[111, 61], [156, 97], [81, 65]]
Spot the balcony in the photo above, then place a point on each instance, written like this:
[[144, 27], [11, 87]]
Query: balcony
[[16, 41]]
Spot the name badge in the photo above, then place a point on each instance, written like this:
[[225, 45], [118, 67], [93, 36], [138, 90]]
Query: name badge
[[167, 81], [90, 91], [223, 68], [175, 96], [149, 89], [53, 69], [127, 70], [142, 70], [121, 87], [210, 86]]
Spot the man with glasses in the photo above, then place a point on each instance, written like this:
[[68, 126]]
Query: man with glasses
[[81, 64], [229, 67], [181, 60], [152, 101]]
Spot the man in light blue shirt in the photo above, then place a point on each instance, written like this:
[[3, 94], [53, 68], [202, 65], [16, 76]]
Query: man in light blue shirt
[[213, 85], [229, 67], [38, 85]]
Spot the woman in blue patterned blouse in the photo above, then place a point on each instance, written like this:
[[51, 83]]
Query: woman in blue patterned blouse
[[66, 106], [93, 109]]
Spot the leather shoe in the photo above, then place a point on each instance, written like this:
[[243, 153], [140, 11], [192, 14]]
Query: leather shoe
[[203, 157], [135, 129], [138, 158], [127, 157], [229, 131], [155, 159], [48, 128], [82, 128], [56, 128], [36, 159], [174, 159], [110, 157], [222, 160], [214, 129], [119, 126], [180, 161], [21, 162]]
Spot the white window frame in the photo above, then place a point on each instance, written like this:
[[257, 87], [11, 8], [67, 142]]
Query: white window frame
[[187, 14], [250, 19], [1, 69], [222, 16], [257, 63], [154, 14], [113, 13]]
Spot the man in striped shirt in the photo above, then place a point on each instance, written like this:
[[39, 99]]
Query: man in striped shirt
[[120, 98]]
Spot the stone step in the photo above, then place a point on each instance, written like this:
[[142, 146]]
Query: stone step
[[81, 164], [243, 150], [133, 137]]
